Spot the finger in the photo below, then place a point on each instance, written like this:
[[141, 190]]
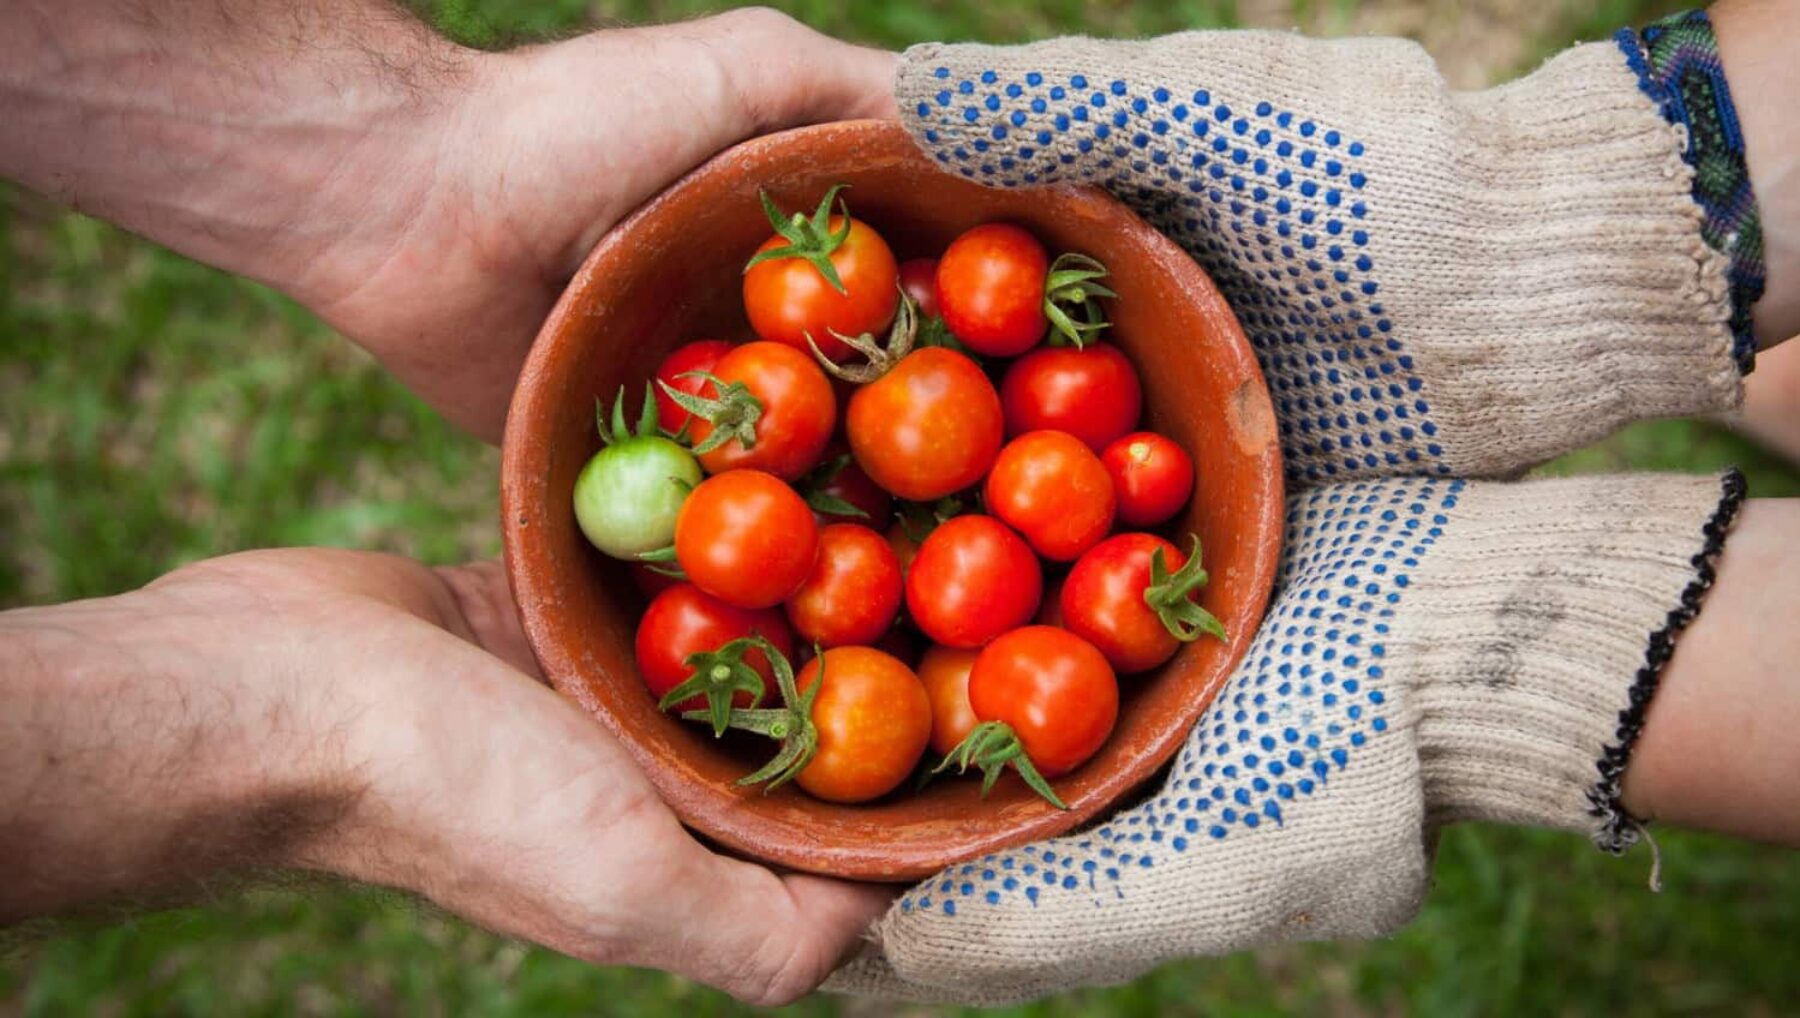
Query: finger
[[483, 598], [784, 74], [764, 938]]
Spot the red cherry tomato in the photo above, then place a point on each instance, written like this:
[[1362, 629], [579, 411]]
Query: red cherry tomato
[[747, 538], [873, 719], [788, 299], [699, 355], [990, 289], [1049, 613], [927, 428], [853, 592], [918, 278], [799, 411], [945, 673], [1053, 490], [686, 620], [972, 580], [1092, 393], [1053, 688], [1152, 477], [1103, 601]]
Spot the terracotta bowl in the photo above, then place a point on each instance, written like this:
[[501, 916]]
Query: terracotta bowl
[[670, 274]]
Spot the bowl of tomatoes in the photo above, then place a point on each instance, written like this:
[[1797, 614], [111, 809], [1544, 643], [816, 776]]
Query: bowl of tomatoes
[[885, 518]]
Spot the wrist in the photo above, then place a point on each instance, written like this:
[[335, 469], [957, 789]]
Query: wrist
[[144, 756]]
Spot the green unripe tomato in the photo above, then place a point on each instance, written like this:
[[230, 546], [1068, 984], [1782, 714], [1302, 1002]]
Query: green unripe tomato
[[629, 494]]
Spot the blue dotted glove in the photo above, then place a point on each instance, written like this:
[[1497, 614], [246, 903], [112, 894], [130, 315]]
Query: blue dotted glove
[[1437, 285], [1438, 650]]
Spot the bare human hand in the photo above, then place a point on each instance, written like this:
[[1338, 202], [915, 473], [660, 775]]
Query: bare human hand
[[363, 715], [429, 201]]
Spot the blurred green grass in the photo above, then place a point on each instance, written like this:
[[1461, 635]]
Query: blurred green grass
[[153, 411]]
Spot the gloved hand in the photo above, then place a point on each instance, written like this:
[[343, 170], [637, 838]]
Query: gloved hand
[[1437, 284]]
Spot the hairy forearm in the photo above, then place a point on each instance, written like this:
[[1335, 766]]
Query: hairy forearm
[[129, 771], [249, 134], [1755, 43], [1720, 749]]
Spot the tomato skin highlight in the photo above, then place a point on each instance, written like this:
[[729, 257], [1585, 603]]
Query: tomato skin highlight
[[874, 721], [990, 289], [945, 673], [1152, 476], [1053, 490], [853, 592], [1093, 393], [972, 579], [786, 298], [1053, 688], [745, 537], [928, 428], [798, 417], [685, 620], [1103, 601], [918, 278], [700, 355]]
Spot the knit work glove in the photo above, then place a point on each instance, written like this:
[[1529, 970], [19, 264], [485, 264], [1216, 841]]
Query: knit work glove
[[1439, 650], [1436, 283]]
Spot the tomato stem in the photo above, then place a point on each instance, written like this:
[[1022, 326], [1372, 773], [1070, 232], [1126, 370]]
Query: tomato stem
[[790, 724], [615, 431], [733, 413], [992, 746], [1074, 282], [1170, 596], [882, 358], [809, 239], [718, 675]]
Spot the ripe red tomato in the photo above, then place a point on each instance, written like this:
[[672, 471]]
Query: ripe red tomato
[[1103, 601], [1053, 689], [798, 412], [853, 592], [686, 620], [927, 428], [945, 673], [699, 355], [788, 299], [873, 720], [990, 289], [1152, 477], [746, 537], [1092, 393], [918, 278], [650, 582], [1053, 490], [972, 580]]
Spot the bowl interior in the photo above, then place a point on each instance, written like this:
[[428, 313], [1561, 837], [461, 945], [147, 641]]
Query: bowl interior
[[671, 274]]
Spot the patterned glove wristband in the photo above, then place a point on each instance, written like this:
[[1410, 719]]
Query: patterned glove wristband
[[1677, 64]]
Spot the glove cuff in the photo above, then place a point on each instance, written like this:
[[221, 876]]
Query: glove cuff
[[1436, 282], [1537, 651]]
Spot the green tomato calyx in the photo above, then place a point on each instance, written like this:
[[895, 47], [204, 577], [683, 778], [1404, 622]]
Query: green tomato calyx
[[992, 746], [812, 488], [1073, 284], [811, 239], [733, 413], [1170, 596], [881, 356], [718, 676], [791, 724], [616, 431]]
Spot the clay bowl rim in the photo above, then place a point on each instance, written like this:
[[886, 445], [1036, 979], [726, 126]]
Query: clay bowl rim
[[530, 567]]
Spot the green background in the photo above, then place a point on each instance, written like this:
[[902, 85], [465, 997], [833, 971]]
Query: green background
[[154, 411]]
